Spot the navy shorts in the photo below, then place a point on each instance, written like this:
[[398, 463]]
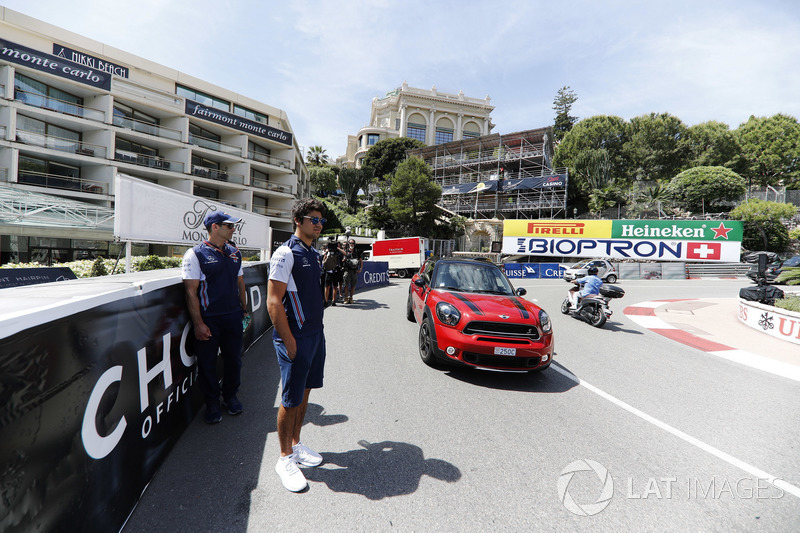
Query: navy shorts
[[305, 371]]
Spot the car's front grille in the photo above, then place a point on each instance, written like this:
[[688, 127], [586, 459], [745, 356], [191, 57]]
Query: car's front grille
[[500, 361], [502, 329]]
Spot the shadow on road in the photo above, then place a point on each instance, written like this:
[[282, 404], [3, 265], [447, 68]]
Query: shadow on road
[[361, 304], [380, 470], [545, 381]]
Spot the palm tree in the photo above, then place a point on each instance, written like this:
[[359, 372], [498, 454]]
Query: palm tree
[[316, 156]]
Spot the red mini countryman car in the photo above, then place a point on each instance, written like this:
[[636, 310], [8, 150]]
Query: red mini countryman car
[[469, 314]]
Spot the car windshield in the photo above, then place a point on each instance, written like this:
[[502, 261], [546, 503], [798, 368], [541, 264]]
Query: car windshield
[[792, 262], [582, 264], [471, 277]]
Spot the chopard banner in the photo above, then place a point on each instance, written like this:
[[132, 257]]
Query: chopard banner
[[51, 64], [145, 212], [660, 240], [195, 109], [97, 388]]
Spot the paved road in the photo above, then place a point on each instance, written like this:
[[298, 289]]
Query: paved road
[[634, 430]]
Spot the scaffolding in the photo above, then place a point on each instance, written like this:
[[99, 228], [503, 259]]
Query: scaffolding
[[499, 176]]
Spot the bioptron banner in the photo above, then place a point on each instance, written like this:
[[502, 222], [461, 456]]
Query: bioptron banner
[[659, 240], [145, 212]]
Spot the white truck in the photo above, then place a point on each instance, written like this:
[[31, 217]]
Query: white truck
[[405, 255]]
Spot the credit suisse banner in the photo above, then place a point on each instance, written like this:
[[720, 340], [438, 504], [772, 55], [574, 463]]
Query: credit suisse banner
[[145, 212], [659, 240]]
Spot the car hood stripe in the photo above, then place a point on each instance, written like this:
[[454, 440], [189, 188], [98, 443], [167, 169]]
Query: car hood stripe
[[469, 303], [518, 305]]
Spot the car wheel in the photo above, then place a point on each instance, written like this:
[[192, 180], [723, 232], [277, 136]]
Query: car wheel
[[426, 348], [611, 278], [565, 306], [410, 310]]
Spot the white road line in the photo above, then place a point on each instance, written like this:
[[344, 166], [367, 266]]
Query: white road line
[[775, 481], [759, 362]]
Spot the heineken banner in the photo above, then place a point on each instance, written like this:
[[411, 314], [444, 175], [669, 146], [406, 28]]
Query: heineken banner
[[658, 240]]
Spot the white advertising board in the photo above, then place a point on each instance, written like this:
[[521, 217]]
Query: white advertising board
[[146, 212]]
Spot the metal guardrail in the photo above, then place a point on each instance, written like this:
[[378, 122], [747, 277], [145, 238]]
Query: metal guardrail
[[710, 270]]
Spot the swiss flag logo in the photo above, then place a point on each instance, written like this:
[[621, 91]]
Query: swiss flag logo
[[704, 251]]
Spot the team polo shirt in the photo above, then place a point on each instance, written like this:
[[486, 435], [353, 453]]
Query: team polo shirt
[[298, 266], [218, 271]]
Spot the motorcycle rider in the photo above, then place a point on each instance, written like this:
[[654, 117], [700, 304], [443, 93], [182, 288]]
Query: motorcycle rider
[[591, 285]]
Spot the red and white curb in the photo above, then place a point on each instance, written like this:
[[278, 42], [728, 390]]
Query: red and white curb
[[644, 314]]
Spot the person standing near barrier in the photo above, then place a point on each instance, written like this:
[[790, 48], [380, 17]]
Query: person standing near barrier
[[216, 298], [295, 302], [352, 266]]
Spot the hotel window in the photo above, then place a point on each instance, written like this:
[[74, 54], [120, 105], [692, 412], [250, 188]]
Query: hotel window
[[258, 178], [252, 115], [125, 112], [372, 138], [202, 98], [205, 192], [40, 133], [416, 131], [198, 161], [130, 146], [470, 134], [45, 173], [443, 135], [39, 94], [257, 152], [203, 133]]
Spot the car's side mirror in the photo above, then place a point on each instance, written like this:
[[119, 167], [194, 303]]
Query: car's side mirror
[[521, 291], [419, 282]]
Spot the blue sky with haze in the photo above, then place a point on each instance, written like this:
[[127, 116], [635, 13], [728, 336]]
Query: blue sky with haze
[[323, 61]]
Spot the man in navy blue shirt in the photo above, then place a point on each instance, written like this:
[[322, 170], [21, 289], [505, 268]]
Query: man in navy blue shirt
[[216, 298], [295, 304]]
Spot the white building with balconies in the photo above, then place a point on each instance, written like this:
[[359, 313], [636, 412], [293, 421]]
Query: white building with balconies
[[430, 116], [74, 112]]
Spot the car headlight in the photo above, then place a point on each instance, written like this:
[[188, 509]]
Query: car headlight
[[447, 313], [544, 321]]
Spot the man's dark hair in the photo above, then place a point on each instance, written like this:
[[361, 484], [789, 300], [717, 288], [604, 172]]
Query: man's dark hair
[[303, 207]]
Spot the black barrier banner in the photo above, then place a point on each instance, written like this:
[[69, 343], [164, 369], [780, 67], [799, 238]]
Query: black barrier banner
[[92, 403], [18, 277]]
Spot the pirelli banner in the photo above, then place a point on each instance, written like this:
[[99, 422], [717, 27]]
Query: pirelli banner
[[657, 240]]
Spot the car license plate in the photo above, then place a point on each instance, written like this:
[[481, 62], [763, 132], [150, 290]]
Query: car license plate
[[505, 351]]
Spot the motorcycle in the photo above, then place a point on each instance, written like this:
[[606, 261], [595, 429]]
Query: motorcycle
[[594, 307]]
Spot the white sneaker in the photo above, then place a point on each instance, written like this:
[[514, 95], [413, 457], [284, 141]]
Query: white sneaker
[[291, 476], [305, 456]]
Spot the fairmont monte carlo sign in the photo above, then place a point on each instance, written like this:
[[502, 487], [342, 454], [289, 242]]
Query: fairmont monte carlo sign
[[196, 109], [658, 240]]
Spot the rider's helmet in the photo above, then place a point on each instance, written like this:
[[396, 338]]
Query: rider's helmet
[[592, 271]]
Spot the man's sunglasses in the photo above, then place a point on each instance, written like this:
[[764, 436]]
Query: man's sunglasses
[[227, 225], [316, 220]]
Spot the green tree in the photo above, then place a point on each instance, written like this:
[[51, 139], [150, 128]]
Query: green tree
[[655, 146], [771, 150], [701, 188], [351, 180], [604, 132], [323, 180], [386, 155], [316, 156], [562, 105], [712, 144], [763, 224], [414, 195]]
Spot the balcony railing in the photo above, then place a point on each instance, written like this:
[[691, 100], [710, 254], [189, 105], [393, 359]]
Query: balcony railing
[[238, 205], [263, 184], [59, 106], [272, 212], [60, 143], [148, 161], [268, 159], [147, 127], [215, 174], [215, 145], [53, 181]]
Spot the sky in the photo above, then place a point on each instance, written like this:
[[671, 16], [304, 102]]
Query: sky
[[323, 62]]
